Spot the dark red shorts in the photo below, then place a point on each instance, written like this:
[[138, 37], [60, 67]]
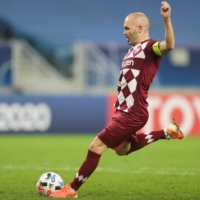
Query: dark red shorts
[[121, 129]]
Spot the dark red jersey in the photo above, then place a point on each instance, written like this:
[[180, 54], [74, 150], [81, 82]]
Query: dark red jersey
[[139, 67]]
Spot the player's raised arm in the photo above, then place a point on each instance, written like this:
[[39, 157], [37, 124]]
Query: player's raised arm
[[168, 44]]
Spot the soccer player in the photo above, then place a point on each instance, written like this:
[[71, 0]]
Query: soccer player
[[139, 67]]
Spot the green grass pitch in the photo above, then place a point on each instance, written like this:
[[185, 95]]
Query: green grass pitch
[[164, 170]]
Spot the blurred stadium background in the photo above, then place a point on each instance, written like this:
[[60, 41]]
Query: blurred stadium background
[[60, 61]]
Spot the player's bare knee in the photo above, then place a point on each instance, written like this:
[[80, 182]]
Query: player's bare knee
[[93, 146], [97, 146], [120, 153], [124, 150]]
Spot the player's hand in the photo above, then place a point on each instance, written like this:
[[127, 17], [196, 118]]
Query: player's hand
[[165, 10]]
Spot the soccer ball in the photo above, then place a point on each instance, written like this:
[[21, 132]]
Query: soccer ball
[[49, 183]]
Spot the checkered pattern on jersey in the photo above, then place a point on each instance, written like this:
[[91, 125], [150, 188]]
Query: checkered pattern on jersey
[[127, 85], [127, 81]]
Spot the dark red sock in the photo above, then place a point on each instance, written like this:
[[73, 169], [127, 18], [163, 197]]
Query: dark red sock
[[87, 168], [145, 139]]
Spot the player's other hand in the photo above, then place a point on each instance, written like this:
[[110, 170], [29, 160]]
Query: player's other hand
[[165, 10]]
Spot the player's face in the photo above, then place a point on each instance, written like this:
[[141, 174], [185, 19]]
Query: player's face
[[130, 32]]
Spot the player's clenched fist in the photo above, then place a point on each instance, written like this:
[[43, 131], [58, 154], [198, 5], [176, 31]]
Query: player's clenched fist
[[165, 10]]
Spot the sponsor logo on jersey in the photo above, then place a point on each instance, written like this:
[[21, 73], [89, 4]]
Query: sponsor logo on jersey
[[127, 63]]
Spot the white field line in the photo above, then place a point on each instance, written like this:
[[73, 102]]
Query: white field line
[[142, 170]]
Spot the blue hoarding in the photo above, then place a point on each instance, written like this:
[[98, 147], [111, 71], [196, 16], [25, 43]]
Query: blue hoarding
[[52, 114]]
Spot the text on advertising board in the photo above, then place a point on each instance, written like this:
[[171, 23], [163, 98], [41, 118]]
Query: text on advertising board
[[24, 117]]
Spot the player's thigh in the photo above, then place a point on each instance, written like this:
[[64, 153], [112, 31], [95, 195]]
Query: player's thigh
[[115, 135]]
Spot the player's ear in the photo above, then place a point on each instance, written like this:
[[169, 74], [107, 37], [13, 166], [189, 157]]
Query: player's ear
[[140, 29]]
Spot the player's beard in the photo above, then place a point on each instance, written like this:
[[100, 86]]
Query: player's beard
[[134, 38]]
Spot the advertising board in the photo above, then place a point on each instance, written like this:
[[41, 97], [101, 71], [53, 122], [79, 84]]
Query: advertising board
[[164, 107], [52, 114]]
